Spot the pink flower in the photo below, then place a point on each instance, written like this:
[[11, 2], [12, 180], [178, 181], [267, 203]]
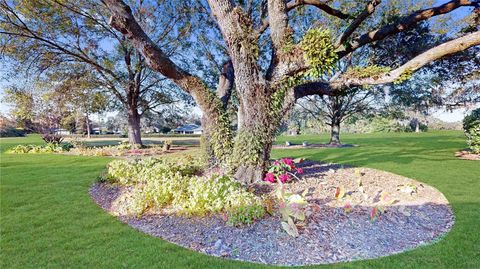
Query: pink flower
[[299, 171], [289, 162], [270, 177], [373, 213], [284, 178], [276, 163]]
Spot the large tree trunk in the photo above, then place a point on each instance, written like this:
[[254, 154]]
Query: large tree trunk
[[253, 143], [134, 134], [335, 132]]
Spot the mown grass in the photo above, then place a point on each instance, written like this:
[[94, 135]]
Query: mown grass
[[48, 220]]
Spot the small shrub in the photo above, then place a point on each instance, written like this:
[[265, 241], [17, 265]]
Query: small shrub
[[174, 185], [471, 127], [47, 148], [124, 145], [11, 132], [52, 138]]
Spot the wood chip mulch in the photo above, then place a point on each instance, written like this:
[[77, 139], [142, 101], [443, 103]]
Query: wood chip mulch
[[467, 155], [419, 215]]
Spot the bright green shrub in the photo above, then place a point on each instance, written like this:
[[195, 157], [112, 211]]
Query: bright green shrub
[[131, 203], [471, 127], [46, 148], [144, 170], [173, 185]]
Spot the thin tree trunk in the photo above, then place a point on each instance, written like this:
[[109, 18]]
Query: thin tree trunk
[[335, 133], [87, 121], [134, 133]]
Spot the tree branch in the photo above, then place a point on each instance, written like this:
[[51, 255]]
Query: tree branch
[[369, 9], [442, 50], [225, 83], [403, 24], [122, 19], [320, 4]]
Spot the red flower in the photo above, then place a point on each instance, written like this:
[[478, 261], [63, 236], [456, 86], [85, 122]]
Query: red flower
[[284, 178], [299, 171], [270, 177]]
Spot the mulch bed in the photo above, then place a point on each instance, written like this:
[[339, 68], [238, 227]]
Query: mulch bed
[[314, 146], [420, 215], [143, 152], [467, 155]]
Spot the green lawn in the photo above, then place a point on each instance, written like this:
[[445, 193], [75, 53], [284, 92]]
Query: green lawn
[[49, 221]]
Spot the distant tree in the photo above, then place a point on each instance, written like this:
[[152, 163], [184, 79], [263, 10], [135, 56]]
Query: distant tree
[[333, 110], [52, 38], [22, 102], [82, 94]]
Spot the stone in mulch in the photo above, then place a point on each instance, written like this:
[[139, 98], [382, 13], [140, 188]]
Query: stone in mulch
[[420, 215], [467, 155]]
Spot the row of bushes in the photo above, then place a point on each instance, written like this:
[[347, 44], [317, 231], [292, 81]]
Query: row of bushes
[[175, 185], [12, 132], [47, 148]]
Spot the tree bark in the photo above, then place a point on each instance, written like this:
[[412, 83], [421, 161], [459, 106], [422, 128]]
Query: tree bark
[[253, 143], [134, 133], [87, 122], [335, 133], [417, 125]]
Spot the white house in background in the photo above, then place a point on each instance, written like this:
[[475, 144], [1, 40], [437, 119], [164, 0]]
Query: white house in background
[[60, 131], [189, 129]]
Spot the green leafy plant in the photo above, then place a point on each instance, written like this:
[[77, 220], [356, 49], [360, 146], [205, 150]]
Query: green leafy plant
[[293, 208], [46, 148], [283, 171], [372, 71], [471, 128], [385, 200], [319, 52], [174, 186]]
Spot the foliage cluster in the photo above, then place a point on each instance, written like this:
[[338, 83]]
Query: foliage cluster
[[175, 186], [319, 51], [471, 127], [9, 131], [47, 148], [371, 71], [294, 208], [52, 138]]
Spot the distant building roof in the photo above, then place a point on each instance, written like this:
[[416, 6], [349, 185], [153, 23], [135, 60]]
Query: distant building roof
[[188, 127]]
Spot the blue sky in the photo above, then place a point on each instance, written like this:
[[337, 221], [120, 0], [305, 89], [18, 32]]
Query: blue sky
[[446, 116]]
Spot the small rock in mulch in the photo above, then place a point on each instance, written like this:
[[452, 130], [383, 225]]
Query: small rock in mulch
[[467, 155], [419, 214]]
